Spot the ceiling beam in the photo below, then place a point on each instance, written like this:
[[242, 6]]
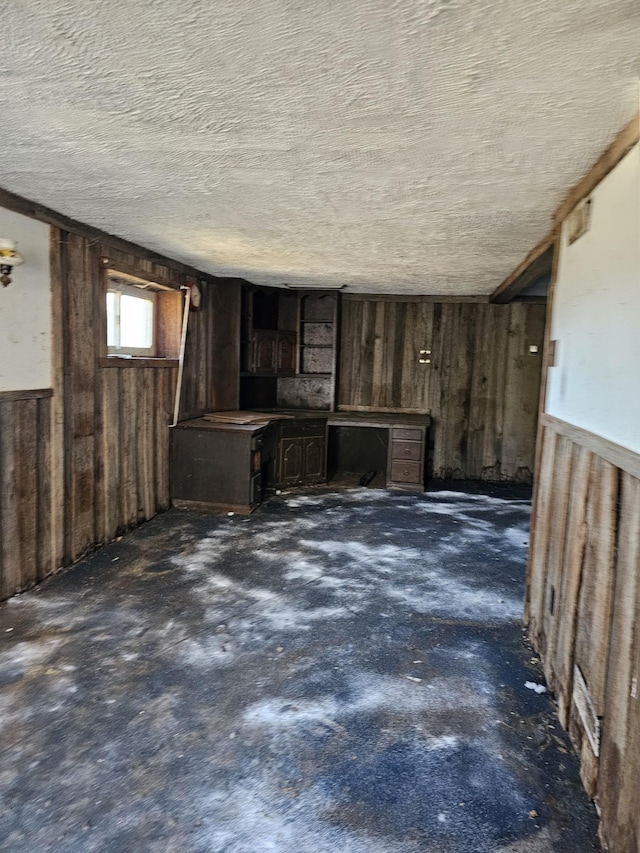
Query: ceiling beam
[[536, 263]]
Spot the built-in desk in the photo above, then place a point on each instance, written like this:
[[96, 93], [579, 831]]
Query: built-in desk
[[406, 443], [228, 466]]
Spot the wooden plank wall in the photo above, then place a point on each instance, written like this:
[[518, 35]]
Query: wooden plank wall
[[583, 612], [25, 491], [481, 387], [92, 460]]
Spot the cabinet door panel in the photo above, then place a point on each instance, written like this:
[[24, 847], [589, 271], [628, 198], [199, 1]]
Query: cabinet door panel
[[286, 358], [314, 458], [264, 351], [291, 460]]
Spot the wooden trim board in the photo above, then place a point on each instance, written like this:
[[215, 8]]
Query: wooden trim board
[[37, 394], [407, 297], [391, 411], [119, 361], [516, 281], [617, 455]]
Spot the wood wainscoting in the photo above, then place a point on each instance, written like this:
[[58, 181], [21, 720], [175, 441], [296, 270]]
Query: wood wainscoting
[[481, 385], [583, 611], [25, 489], [81, 466]]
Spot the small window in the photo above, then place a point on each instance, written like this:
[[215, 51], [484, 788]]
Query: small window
[[131, 319], [143, 318]]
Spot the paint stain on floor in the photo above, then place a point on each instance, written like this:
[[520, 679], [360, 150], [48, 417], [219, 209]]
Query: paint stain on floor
[[342, 671]]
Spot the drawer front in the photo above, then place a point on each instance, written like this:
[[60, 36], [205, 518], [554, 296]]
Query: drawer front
[[406, 472], [407, 433], [411, 450], [297, 429]]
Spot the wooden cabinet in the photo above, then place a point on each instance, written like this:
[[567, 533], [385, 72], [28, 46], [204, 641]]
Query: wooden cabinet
[[216, 467], [264, 349], [286, 354], [302, 453], [406, 463]]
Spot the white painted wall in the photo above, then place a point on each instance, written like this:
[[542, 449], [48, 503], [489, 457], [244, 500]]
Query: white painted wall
[[25, 308], [596, 315]]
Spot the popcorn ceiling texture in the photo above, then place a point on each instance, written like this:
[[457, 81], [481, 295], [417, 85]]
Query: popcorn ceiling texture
[[394, 146]]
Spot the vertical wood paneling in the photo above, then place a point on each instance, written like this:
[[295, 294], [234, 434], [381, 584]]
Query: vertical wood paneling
[[585, 545], [80, 374], [539, 542], [44, 555], [481, 387], [81, 467], [619, 777], [25, 493], [111, 497], [563, 631]]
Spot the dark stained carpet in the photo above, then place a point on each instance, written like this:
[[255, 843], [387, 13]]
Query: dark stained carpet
[[339, 673]]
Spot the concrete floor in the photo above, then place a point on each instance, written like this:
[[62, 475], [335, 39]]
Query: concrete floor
[[341, 672]]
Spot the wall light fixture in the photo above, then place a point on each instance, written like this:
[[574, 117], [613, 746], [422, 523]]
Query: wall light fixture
[[9, 258]]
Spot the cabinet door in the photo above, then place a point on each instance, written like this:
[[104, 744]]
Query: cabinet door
[[264, 351], [314, 459], [286, 357], [291, 460]]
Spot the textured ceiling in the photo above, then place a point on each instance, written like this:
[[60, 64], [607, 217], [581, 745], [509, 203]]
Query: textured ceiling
[[394, 145]]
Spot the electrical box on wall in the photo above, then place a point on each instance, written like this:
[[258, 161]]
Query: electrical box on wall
[[579, 220]]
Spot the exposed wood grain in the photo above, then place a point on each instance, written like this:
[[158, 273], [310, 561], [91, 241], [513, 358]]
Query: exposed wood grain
[[561, 641], [44, 516], [594, 607], [38, 394], [619, 776], [129, 447], [146, 447], [110, 447], [479, 373], [57, 266], [617, 455], [407, 297], [559, 500], [521, 391], [80, 367], [10, 542], [537, 564]]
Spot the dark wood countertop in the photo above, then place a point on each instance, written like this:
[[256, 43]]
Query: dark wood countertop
[[370, 419]]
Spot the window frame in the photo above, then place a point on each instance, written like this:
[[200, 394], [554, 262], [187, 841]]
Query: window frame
[[143, 291]]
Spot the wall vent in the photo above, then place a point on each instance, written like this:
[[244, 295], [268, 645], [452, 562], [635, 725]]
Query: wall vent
[[586, 710], [579, 220]]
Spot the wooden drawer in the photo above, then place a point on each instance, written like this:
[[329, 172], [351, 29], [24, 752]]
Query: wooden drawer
[[411, 450], [406, 472], [303, 428], [407, 433]]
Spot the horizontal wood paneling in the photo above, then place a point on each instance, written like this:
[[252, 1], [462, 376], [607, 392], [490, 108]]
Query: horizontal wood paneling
[[583, 612], [481, 387], [79, 467]]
